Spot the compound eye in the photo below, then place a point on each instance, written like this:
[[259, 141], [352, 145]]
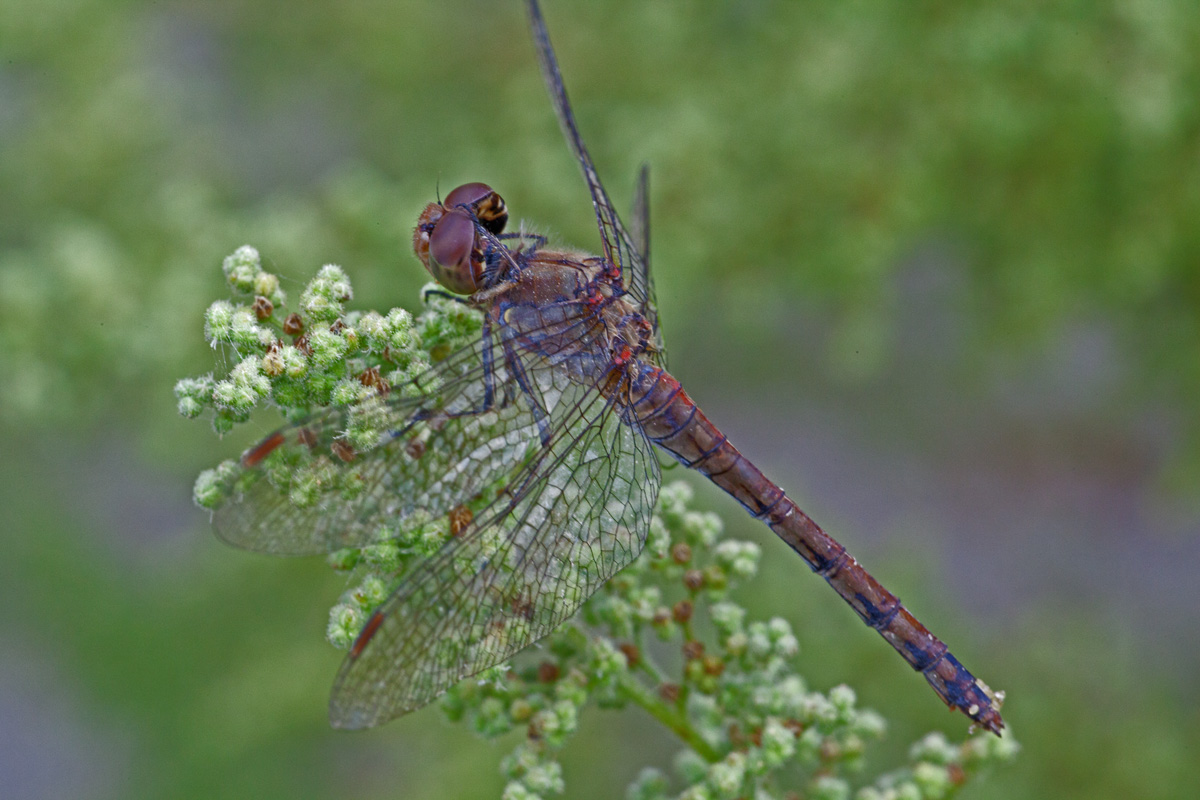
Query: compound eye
[[468, 194], [487, 206], [451, 245]]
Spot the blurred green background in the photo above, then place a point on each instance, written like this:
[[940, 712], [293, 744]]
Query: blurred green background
[[934, 266]]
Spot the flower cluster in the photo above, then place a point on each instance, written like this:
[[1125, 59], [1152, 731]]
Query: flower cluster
[[665, 634], [318, 355], [750, 725]]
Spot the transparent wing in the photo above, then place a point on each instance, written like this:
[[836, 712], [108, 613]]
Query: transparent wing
[[641, 221], [444, 439], [641, 240], [567, 522], [620, 249]]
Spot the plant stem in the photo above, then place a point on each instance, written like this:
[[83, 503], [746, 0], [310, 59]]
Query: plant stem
[[672, 718]]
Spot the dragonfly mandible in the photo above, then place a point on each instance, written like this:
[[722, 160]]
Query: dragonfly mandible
[[561, 402]]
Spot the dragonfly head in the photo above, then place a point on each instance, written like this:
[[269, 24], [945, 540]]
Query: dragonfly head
[[446, 238]]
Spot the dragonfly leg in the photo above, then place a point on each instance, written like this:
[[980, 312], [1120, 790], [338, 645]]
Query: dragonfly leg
[[514, 365], [489, 389]]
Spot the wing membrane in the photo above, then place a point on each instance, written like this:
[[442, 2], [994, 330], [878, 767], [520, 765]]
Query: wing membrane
[[447, 437], [641, 220], [619, 247], [641, 240], [566, 523]]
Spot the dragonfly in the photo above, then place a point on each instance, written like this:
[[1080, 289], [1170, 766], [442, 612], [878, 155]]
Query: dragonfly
[[561, 401]]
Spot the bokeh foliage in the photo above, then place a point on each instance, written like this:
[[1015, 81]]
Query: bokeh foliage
[[803, 156]]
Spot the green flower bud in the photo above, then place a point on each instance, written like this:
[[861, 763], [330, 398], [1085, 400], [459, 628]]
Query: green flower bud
[[272, 363], [545, 779], [521, 710], [218, 322], [650, 784], [491, 718], [515, 790], [214, 485], [701, 529], [728, 618], [934, 748], [573, 690], [394, 333], [350, 391], [826, 787], [335, 279], [387, 557], [344, 560], [842, 698], [725, 777], [778, 742], [267, 285], [932, 779], [323, 298], [195, 389], [223, 422], [371, 592], [189, 407], [242, 269], [784, 643], [328, 348], [690, 766], [808, 746], [740, 559], [245, 333], [295, 364], [345, 623], [868, 725]]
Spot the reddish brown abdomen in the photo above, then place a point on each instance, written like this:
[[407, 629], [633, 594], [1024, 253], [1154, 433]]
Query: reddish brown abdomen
[[672, 421]]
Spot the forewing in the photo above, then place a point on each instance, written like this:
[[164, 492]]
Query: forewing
[[565, 524], [619, 246], [447, 437]]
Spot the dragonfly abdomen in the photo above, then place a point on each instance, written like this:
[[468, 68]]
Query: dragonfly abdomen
[[673, 422]]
